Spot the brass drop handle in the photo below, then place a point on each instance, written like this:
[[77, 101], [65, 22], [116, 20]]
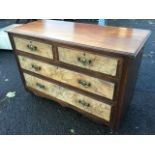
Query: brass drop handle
[[40, 85], [31, 47], [84, 61], [84, 103], [37, 68], [84, 83]]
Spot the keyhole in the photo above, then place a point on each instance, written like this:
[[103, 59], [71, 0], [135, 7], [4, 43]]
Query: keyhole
[[84, 54]]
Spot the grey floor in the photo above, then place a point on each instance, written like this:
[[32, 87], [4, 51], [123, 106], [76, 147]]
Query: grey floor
[[28, 114]]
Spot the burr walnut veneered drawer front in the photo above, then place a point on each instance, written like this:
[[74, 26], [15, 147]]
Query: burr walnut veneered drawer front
[[103, 64], [97, 108], [81, 81], [33, 47]]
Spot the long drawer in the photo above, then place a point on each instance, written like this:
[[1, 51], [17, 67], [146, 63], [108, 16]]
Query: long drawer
[[97, 108], [33, 47], [103, 64], [79, 80]]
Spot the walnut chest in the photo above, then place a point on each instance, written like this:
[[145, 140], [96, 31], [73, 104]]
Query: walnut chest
[[89, 68]]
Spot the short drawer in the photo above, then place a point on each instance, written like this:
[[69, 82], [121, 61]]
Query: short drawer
[[103, 64], [33, 47], [97, 108], [79, 80]]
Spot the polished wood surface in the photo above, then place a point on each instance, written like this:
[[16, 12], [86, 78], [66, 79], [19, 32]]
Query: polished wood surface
[[42, 49], [81, 81], [76, 68], [125, 41], [88, 61], [90, 105]]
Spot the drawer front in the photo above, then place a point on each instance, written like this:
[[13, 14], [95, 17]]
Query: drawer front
[[33, 47], [102, 64], [97, 108], [87, 83]]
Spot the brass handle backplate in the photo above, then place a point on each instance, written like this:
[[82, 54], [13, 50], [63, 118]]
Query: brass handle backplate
[[37, 68], [84, 83], [31, 47], [84, 103], [40, 85], [84, 61]]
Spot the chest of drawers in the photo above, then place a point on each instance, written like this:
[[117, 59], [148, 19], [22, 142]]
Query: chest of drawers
[[89, 68]]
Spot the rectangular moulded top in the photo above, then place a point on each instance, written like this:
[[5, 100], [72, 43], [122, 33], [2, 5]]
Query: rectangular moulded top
[[120, 40]]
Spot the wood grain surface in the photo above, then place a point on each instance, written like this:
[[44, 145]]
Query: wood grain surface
[[103, 64], [81, 81], [42, 49], [125, 41], [101, 110]]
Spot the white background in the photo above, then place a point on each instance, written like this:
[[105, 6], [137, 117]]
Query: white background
[[77, 145], [74, 9]]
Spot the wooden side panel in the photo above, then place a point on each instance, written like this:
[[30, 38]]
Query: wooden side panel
[[103, 64], [126, 90], [87, 83], [99, 109], [42, 49]]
